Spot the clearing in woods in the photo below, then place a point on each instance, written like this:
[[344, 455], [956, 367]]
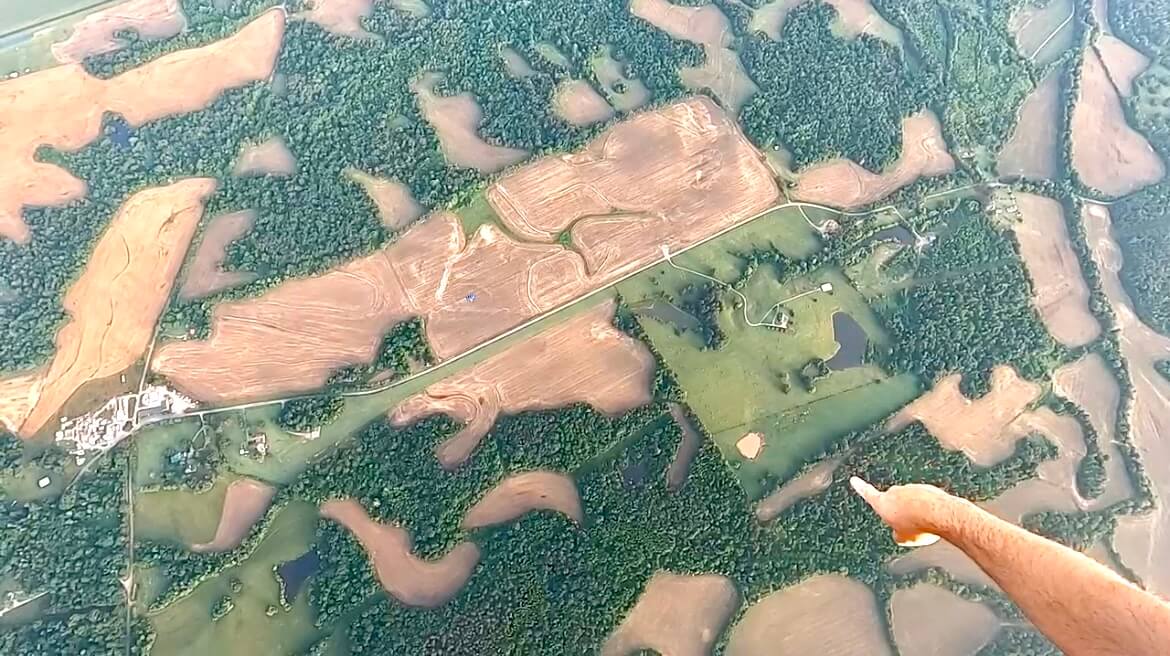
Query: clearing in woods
[[813, 481], [578, 102], [585, 359], [1091, 385], [114, 305], [101, 31], [624, 93], [409, 579], [519, 494], [1042, 31], [205, 274], [270, 157], [340, 17], [676, 614], [927, 620], [395, 204], [456, 120], [245, 502], [1032, 150]]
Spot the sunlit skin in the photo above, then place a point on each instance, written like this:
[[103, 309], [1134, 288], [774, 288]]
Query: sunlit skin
[[1080, 605]]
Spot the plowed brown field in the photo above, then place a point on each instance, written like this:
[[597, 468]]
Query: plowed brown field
[[396, 206], [523, 493], [62, 108], [1032, 149], [927, 620], [245, 502], [205, 275], [578, 102], [97, 33], [341, 17], [411, 580], [814, 481], [1123, 62], [271, 157], [585, 359], [676, 614], [456, 120]]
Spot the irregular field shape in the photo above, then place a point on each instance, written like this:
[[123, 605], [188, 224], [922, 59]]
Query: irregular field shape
[[114, 305], [1031, 151], [515, 63], [341, 17], [1042, 30], [1107, 154], [1123, 62], [96, 34], [688, 448], [456, 120], [974, 427], [1059, 292], [750, 445], [813, 481], [928, 620], [245, 502], [522, 493], [409, 579], [723, 74], [396, 205], [854, 18], [610, 73], [271, 157], [205, 274], [1090, 384], [62, 108], [585, 359], [942, 555], [579, 104], [676, 614], [844, 184], [829, 615]]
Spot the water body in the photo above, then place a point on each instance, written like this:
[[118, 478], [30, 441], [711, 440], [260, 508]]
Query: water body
[[120, 134], [852, 342], [896, 233], [668, 313], [294, 573]]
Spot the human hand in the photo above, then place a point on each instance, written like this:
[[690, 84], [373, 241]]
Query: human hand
[[917, 513]]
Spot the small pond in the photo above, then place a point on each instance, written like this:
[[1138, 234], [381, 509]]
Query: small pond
[[850, 337]]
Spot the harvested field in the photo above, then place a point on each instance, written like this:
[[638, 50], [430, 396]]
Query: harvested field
[[611, 74], [271, 157], [1107, 154], [515, 63], [724, 76], [18, 395], [1059, 292], [828, 614], [843, 184], [942, 555], [854, 18], [1090, 384], [579, 103], [409, 579], [396, 206], [341, 17], [812, 482], [1032, 151], [1043, 30], [98, 32], [456, 120], [585, 359], [62, 108], [205, 275], [750, 445], [977, 428], [1123, 62], [520, 494], [676, 614], [688, 448], [552, 55], [114, 305], [245, 503], [927, 620]]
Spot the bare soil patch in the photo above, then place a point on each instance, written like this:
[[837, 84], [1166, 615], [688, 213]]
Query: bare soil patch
[[724, 76], [1059, 292], [812, 482], [676, 614], [62, 108], [515, 63], [1043, 30], [396, 205], [1107, 154], [523, 493], [1123, 61], [844, 184], [750, 445], [977, 428], [579, 103], [456, 120], [1090, 384], [245, 503], [688, 448], [409, 579], [585, 359], [942, 555], [341, 17], [271, 157], [205, 274], [18, 395], [1032, 149], [854, 18], [827, 614], [98, 32], [114, 304], [928, 620], [625, 93]]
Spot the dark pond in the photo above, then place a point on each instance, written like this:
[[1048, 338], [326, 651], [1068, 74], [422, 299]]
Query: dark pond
[[294, 573], [668, 313], [120, 134], [894, 233], [852, 341]]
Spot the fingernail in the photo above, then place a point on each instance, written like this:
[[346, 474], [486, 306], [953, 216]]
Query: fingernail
[[863, 489]]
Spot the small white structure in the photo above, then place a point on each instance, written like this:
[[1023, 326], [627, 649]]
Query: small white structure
[[826, 287], [44, 482]]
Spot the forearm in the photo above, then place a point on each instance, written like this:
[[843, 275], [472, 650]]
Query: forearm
[[1082, 606]]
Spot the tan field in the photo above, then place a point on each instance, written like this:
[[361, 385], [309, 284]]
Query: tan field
[[709, 179], [854, 18], [114, 304], [1059, 292], [927, 620], [515, 63], [1042, 30], [395, 204], [977, 428], [271, 157], [724, 76], [62, 108], [456, 120], [750, 445], [341, 17], [1107, 154], [676, 614], [96, 34], [523, 493], [409, 579], [585, 359], [688, 448], [1090, 384], [610, 73], [18, 395], [245, 503], [1123, 62], [1140, 540], [1032, 150], [944, 556], [205, 274], [843, 184], [812, 482], [579, 103], [828, 614]]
